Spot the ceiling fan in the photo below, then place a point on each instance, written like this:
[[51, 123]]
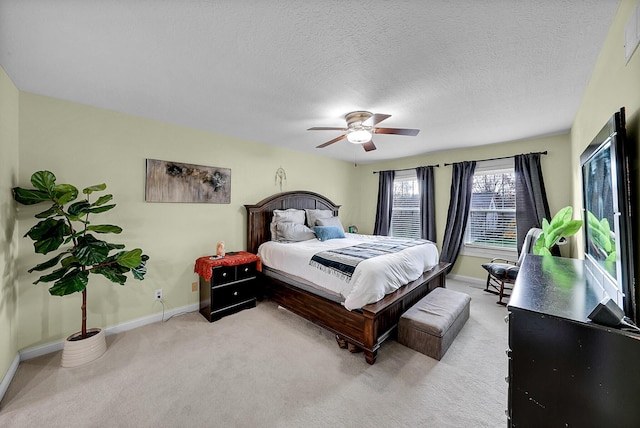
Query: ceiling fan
[[361, 125]]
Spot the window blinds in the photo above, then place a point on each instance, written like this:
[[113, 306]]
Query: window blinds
[[492, 217], [405, 218]]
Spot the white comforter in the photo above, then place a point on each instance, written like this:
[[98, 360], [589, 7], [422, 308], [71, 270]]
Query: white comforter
[[372, 278]]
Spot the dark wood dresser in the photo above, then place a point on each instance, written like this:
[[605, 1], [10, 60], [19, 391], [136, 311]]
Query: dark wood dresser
[[232, 286], [564, 370]]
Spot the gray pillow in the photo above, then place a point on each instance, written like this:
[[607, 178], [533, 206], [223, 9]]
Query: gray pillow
[[331, 221], [291, 215], [313, 215], [293, 232]]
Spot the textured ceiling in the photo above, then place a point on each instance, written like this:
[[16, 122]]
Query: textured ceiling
[[464, 72]]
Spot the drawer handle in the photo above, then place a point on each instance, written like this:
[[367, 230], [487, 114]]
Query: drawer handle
[[235, 293], [224, 274], [246, 269]]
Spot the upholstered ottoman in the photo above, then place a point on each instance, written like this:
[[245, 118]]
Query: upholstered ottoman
[[430, 325]]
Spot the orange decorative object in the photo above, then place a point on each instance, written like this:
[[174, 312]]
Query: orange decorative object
[[220, 249], [204, 265]]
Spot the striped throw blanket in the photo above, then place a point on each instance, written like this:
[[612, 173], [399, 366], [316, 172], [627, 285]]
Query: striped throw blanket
[[342, 262]]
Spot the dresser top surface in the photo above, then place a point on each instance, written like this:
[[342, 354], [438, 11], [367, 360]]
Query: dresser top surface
[[554, 286]]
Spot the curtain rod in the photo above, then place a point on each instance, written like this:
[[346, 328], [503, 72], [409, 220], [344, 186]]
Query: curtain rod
[[407, 169], [504, 157]]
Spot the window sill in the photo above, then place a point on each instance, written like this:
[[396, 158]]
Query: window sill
[[488, 252]]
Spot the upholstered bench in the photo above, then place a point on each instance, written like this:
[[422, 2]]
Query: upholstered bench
[[430, 325]]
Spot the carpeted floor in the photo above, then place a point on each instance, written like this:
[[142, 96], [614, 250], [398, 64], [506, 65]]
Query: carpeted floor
[[266, 367]]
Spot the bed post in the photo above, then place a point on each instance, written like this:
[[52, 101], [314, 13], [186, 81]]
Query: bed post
[[370, 336]]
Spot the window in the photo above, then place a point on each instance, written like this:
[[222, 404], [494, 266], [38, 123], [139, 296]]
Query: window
[[405, 217], [492, 217]]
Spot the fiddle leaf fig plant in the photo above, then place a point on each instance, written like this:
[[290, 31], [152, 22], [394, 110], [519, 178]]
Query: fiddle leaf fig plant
[[561, 226], [65, 226]]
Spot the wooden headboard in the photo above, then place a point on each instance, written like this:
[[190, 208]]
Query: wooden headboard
[[259, 215]]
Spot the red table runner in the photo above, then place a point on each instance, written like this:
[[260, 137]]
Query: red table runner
[[204, 264]]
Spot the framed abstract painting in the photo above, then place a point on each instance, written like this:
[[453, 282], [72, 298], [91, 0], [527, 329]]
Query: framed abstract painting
[[182, 182]]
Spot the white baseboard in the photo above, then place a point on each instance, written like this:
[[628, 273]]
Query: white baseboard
[[8, 377], [37, 351], [130, 325], [474, 281]]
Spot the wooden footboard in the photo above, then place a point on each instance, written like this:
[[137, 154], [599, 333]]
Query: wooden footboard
[[357, 330]]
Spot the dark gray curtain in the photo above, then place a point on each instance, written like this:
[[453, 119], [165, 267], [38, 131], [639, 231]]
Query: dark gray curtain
[[385, 203], [427, 203], [531, 198], [459, 204]]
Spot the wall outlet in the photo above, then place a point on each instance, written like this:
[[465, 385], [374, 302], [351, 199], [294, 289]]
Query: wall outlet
[[159, 294], [194, 286]]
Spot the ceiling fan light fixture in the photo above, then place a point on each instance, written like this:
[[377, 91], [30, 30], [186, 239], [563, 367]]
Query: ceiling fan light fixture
[[359, 136], [361, 125]]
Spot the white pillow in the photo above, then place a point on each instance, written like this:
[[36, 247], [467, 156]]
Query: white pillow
[[331, 221], [293, 232], [313, 215]]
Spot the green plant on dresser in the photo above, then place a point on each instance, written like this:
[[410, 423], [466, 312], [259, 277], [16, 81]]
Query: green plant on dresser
[[561, 226]]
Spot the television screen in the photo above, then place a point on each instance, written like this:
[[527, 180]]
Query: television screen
[[599, 209], [607, 214]]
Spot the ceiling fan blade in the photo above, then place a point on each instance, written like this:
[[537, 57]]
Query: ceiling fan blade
[[368, 146], [376, 119], [326, 128], [335, 140], [397, 131]]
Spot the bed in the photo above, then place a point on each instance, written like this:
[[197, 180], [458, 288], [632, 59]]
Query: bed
[[363, 329]]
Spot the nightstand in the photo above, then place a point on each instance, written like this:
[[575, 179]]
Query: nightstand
[[227, 285]]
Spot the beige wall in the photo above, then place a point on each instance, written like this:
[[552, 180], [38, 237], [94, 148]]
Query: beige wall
[[554, 167], [85, 146], [9, 98], [613, 84]]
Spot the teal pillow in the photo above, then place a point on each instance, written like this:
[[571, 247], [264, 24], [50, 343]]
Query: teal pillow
[[324, 233]]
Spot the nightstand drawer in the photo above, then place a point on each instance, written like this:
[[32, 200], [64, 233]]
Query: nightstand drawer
[[231, 294], [246, 271], [223, 274]]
